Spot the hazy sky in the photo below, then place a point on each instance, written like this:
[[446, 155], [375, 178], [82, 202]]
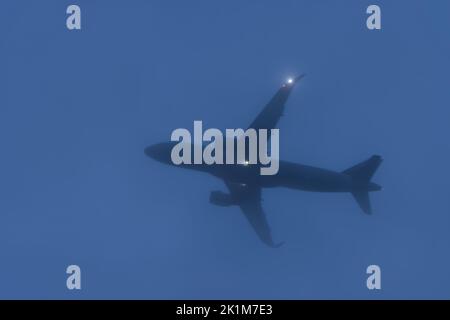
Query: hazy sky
[[77, 108]]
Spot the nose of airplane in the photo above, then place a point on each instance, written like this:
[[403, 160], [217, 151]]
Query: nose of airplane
[[155, 151], [150, 151], [159, 152]]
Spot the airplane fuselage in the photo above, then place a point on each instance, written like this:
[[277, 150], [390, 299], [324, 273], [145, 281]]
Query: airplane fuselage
[[290, 175]]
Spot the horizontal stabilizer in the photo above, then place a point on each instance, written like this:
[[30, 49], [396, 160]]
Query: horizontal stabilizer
[[362, 197]]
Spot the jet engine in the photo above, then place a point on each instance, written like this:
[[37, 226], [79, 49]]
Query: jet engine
[[222, 199]]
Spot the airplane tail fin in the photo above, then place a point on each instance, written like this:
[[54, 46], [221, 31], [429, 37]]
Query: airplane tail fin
[[362, 173]]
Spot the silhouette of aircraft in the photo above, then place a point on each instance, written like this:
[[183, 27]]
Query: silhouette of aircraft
[[244, 182]]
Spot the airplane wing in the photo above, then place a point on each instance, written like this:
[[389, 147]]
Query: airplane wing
[[269, 116], [249, 200]]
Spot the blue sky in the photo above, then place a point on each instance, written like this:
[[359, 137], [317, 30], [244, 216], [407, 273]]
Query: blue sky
[[77, 108]]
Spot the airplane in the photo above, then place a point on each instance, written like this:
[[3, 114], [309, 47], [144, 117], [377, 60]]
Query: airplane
[[245, 183]]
